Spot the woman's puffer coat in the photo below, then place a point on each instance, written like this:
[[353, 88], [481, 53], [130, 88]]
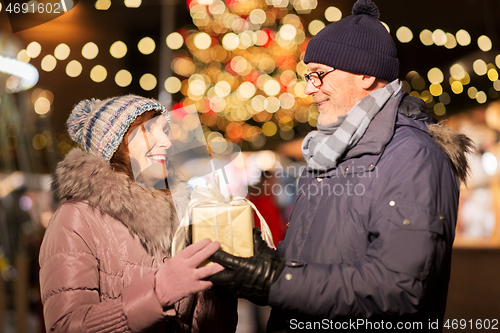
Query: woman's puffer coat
[[101, 250]]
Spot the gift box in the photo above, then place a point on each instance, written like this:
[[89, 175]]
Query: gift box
[[228, 220], [229, 223]]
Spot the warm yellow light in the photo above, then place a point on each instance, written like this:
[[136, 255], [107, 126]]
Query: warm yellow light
[[202, 40], [386, 26], [48, 63], [230, 41], [287, 101], [23, 56], [288, 31], [451, 42], [496, 85], [257, 16], [98, 73], [146, 45], [463, 37], [472, 92], [34, 49], [426, 37], [457, 87], [439, 37], [174, 41], [480, 67], [272, 104], [247, 90], [439, 109], [222, 88], [39, 141], [435, 75], [173, 85], [492, 74], [484, 43], [123, 78], [118, 49], [404, 34], [147, 82], [481, 97], [73, 68], [62, 51], [258, 103], [436, 89], [315, 26], [42, 105], [457, 72], [90, 50], [333, 14], [272, 87], [102, 4], [133, 3], [269, 128]]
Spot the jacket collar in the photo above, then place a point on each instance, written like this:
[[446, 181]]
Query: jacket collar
[[148, 214]]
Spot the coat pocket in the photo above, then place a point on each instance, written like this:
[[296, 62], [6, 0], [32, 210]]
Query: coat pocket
[[409, 239]]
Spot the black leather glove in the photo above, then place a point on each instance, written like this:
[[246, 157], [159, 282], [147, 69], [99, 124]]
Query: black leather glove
[[250, 278]]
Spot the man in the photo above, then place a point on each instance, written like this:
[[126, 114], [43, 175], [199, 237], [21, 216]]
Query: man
[[370, 235]]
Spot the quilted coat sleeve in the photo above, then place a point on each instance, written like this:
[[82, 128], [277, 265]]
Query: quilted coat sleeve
[[69, 280], [410, 226]]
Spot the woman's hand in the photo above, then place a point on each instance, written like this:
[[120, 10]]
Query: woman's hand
[[180, 277]]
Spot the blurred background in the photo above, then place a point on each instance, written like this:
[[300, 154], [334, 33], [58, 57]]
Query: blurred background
[[240, 63]]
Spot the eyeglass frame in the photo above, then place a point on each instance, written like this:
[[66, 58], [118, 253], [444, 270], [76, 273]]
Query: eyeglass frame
[[321, 74]]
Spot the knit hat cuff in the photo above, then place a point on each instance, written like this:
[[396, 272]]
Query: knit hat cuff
[[352, 59]]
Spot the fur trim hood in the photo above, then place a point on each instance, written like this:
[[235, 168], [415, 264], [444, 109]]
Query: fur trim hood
[[456, 145], [148, 214]]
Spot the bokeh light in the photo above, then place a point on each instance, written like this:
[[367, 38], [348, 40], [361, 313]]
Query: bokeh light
[[74, 68], [404, 34], [48, 63], [90, 50], [484, 43], [146, 45], [333, 14], [173, 85], [315, 26], [118, 49], [463, 37], [98, 73], [133, 3], [34, 49], [148, 82], [123, 78], [62, 51], [174, 41]]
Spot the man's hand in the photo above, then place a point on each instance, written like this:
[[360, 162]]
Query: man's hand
[[250, 278]]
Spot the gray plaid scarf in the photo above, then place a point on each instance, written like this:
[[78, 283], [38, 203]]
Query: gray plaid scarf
[[323, 148]]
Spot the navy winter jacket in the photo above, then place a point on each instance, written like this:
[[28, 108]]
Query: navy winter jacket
[[372, 238]]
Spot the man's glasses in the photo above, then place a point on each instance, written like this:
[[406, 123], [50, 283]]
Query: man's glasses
[[316, 78]]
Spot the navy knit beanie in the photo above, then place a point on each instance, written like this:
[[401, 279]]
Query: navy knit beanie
[[357, 44]]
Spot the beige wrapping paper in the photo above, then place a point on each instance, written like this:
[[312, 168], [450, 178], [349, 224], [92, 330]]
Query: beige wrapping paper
[[230, 224], [227, 220]]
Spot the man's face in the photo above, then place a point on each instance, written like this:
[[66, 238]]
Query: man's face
[[339, 92]]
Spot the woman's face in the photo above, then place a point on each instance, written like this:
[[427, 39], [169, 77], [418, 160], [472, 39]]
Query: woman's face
[[148, 148]]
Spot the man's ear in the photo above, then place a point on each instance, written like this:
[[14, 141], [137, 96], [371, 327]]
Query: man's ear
[[368, 82]]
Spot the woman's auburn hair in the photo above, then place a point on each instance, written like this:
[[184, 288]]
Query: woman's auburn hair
[[120, 161]]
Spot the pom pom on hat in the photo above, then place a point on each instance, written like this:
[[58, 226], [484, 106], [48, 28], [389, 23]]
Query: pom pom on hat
[[99, 126], [365, 7], [78, 117]]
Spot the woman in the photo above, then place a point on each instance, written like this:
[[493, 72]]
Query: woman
[[105, 258]]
